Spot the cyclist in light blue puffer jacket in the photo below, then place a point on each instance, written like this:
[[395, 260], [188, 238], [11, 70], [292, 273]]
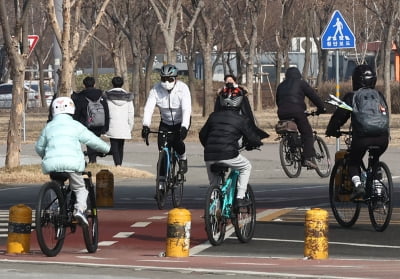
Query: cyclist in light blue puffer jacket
[[59, 145]]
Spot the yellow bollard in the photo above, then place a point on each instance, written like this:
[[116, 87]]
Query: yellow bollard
[[19, 229], [316, 234], [178, 233], [104, 188]]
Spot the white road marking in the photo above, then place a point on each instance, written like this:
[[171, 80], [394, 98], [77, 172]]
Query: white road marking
[[140, 224], [123, 235], [107, 243]]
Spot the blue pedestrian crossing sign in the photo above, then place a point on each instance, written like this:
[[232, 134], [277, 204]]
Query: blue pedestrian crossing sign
[[337, 34]]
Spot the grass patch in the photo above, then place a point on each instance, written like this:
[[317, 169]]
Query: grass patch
[[33, 173]]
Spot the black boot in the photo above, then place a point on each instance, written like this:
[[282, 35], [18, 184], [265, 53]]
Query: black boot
[[183, 166]]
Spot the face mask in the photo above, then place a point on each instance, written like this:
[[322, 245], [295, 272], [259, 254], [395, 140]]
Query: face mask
[[168, 85], [231, 85]]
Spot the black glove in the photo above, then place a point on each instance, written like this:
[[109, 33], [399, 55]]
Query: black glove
[[332, 133], [183, 133], [321, 111], [145, 131], [251, 147]]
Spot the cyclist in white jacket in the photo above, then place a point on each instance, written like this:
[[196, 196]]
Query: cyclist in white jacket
[[173, 99]]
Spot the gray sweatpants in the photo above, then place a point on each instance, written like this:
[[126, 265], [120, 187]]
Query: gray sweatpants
[[78, 186], [239, 163]]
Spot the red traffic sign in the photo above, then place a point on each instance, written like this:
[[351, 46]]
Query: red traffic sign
[[32, 40]]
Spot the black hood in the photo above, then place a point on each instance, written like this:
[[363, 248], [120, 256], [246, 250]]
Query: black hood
[[92, 93], [292, 73]]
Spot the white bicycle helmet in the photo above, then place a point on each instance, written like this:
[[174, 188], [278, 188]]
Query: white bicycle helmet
[[63, 105]]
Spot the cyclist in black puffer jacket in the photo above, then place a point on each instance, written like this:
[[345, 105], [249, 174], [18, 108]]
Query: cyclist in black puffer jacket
[[290, 97], [220, 137]]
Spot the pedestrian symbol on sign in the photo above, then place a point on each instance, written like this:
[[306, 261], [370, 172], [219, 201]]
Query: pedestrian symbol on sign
[[337, 34]]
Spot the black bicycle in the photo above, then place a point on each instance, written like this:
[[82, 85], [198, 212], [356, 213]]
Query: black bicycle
[[169, 178], [291, 149], [378, 190], [54, 214]]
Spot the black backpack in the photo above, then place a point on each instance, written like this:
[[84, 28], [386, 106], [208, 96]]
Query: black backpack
[[370, 115]]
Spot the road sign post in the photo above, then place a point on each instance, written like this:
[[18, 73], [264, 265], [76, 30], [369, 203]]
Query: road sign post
[[337, 35]]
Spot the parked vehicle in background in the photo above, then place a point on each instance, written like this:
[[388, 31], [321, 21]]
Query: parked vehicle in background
[[32, 97], [48, 90]]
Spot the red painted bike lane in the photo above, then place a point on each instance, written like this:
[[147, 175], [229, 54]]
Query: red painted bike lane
[[137, 239]]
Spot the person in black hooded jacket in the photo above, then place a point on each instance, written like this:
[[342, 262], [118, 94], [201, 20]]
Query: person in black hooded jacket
[[81, 114], [220, 137], [231, 85], [290, 97], [363, 76]]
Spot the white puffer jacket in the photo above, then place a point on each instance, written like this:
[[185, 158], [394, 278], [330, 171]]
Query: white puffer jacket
[[121, 113]]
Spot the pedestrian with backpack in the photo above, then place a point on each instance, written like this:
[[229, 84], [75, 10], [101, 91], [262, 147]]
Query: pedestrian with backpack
[[121, 118], [92, 111], [369, 122]]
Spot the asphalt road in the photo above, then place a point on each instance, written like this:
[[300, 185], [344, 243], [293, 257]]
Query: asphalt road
[[275, 252]]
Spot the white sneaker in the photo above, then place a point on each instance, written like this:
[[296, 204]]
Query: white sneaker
[[80, 216]]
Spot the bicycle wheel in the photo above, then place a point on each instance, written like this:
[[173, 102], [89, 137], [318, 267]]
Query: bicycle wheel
[[380, 204], [291, 166], [245, 220], [215, 222], [322, 157], [161, 184], [91, 232], [177, 189], [49, 219], [346, 212]]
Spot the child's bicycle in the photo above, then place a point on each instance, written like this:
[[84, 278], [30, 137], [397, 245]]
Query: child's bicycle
[[169, 178], [378, 190], [221, 208], [291, 149], [54, 214]]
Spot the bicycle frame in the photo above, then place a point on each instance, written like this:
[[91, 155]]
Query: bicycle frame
[[228, 190], [172, 156]]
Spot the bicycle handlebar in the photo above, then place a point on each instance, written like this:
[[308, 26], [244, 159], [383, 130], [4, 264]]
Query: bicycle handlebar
[[156, 132], [98, 154]]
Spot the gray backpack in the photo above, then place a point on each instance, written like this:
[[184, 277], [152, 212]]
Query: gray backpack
[[95, 112], [370, 116]]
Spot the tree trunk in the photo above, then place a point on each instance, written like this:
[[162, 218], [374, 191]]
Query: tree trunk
[[209, 93], [16, 115]]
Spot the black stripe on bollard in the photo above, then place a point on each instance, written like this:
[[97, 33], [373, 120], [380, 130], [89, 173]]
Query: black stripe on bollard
[[19, 228]]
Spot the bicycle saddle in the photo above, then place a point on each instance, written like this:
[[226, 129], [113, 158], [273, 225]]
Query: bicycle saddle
[[59, 176], [217, 167]]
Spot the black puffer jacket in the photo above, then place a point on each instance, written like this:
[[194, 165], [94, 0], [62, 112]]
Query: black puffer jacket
[[292, 91], [221, 133]]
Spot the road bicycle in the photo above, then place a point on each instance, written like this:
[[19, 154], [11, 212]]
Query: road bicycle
[[378, 190], [169, 178], [54, 214], [221, 208], [291, 149]]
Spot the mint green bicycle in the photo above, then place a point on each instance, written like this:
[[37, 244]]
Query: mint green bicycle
[[221, 210]]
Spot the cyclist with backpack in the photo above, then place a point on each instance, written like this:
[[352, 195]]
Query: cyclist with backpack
[[92, 111], [369, 122]]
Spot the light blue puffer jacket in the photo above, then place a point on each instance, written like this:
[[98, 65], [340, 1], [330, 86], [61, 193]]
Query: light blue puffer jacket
[[59, 145]]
